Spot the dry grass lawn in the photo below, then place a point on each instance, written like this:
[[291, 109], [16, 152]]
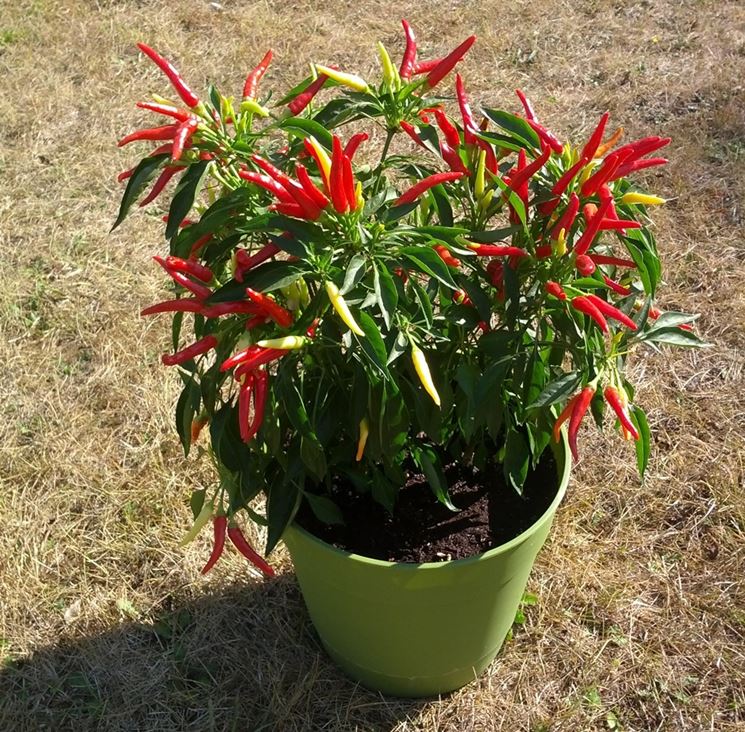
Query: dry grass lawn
[[106, 624]]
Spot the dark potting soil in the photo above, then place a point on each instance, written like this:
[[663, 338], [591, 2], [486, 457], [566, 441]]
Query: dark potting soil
[[423, 530]]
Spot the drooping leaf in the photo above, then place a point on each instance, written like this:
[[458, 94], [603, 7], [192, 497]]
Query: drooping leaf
[[183, 198], [143, 174]]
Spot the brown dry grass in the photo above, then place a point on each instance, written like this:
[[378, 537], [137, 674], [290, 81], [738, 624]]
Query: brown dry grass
[[105, 624]]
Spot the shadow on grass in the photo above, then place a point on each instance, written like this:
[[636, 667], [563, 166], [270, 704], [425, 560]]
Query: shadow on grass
[[246, 658]]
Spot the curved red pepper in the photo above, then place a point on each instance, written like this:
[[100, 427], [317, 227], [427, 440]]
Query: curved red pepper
[[593, 227], [282, 317], [615, 261], [200, 291], [527, 106], [182, 305], [411, 131], [563, 417], [583, 305], [616, 286], [244, 406], [186, 354], [219, 525], [189, 267], [447, 64], [613, 398], [637, 165], [555, 289], [354, 142], [446, 256], [253, 79], [579, 409], [261, 388], [318, 196], [409, 57], [245, 262], [611, 311], [452, 136], [166, 132], [302, 100], [188, 96], [161, 183], [240, 543], [424, 185], [183, 137], [470, 126]]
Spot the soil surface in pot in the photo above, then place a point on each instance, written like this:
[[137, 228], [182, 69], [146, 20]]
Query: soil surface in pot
[[423, 530]]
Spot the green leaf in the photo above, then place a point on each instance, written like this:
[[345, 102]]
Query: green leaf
[[197, 501], [355, 272], [372, 344], [281, 507], [557, 390], [516, 126], [385, 292], [442, 205], [143, 173], [183, 198], [186, 407], [516, 459], [643, 444], [426, 260], [673, 336], [313, 456], [304, 127], [324, 509], [429, 462], [478, 297], [489, 237], [225, 438], [425, 304]]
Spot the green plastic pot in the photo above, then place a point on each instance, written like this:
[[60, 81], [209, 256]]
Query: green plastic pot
[[415, 630]]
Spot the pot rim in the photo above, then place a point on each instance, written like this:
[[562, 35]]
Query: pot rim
[[561, 453]]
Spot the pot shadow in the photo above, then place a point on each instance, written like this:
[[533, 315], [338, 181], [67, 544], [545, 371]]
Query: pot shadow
[[243, 658]]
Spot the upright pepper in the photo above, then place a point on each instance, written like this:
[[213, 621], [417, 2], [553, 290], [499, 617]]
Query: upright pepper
[[390, 75], [447, 64], [589, 150], [409, 57], [253, 79]]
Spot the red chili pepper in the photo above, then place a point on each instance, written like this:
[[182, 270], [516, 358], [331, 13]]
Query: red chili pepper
[[302, 100], [525, 174], [611, 311], [470, 126], [256, 322], [165, 109], [244, 356], [446, 65], [189, 267], [289, 209], [642, 147], [411, 131], [261, 387], [245, 262], [497, 250], [310, 150], [253, 79], [616, 286], [495, 270], [161, 183], [348, 179], [563, 417], [354, 142], [244, 406], [185, 354], [240, 543], [452, 159], [547, 137], [583, 305], [527, 106], [460, 297], [311, 210], [578, 412], [283, 318], [424, 185], [166, 132], [566, 220], [491, 158], [446, 256], [424, 67], [605, 194], [318, 196], [219, 525], [402, 273], [183, 137], [188, 96], [198, 244], [196, 427], [124, 175], [613, 398], [604, 173], [589, 150], [591, 230], [610, 224], [563, 183], [544, 251], [267, 183], [200, 291], [409, 58], [585, 265], [624, 170], [182, 305], [555, 289], [615, 261], [452, 136], [336, 184]]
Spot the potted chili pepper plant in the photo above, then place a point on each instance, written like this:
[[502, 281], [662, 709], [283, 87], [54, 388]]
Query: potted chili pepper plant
[[385, 347]]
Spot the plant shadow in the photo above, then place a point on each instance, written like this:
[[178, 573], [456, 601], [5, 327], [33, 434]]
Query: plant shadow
[[244, 658]]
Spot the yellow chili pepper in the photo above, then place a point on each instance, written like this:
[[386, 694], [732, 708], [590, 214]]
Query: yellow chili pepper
[[480, 180], [202, 518], [286, 343], [390, 73], [358, 195], [342, 309], [323, 158], [422, 371], [364, 432], [560, 245], [351, 80], [642, 198], [586, 172]]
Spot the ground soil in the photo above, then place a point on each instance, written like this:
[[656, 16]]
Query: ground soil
[[422, 529]]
